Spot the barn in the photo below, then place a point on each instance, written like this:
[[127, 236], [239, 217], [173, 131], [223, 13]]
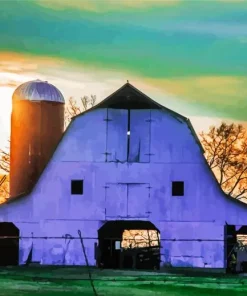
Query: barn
[[127, 164]]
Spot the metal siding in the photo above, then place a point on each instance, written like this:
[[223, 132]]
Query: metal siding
[[116, 200], [191, 150], [138, 200], [139, 136], [167, 138], [117, 126], [38, 90], [85, 139], [159, 146], [95, 136]]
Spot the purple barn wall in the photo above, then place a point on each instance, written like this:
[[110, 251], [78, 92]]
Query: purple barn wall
[[166, 151]]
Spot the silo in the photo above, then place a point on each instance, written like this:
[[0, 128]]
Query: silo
[[37, 125]]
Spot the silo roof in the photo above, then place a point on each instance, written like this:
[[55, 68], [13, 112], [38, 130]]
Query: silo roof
[[38, 90]]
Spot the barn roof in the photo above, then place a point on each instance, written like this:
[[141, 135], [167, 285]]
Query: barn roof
[[128, 96]]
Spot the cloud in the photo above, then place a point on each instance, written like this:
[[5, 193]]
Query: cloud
[[219, 96], [18, 68], [105, 5], [219, 29], [143, 43], [203, 123], [189, 58], [118, 5], [9, 83]]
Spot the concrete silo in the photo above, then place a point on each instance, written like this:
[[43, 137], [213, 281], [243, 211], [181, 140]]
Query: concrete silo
[[37, 124]]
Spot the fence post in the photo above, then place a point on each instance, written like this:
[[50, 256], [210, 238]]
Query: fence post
[[89, 271]]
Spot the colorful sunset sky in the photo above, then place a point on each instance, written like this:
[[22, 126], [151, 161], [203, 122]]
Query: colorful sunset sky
[[191, 56]]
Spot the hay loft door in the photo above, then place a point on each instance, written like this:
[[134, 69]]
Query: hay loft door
[[127, 200]]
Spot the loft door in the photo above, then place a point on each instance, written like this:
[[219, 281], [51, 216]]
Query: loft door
[[127, 200], [116, 200], [138, 200]]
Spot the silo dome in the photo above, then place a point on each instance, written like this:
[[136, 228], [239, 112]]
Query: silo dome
[[37, 90]]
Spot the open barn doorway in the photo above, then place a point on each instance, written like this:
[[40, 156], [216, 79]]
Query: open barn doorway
[[9, 247], [230, 248], [128, 244], [236, 248]]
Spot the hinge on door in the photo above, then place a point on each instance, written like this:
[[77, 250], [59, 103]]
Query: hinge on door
[[107, 119], [148, 154], [149, 120], [106, 186], [106, 153]]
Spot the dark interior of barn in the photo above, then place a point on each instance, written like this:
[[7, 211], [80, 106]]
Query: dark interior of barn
[[111, 253], [236, 248], [9, 246]]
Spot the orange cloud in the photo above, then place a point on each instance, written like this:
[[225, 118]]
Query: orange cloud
[[106, 5]]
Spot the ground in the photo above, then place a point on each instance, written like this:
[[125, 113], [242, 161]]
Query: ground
[[53, 281]]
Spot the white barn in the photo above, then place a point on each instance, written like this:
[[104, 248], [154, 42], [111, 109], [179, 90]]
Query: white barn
[[127, 159]]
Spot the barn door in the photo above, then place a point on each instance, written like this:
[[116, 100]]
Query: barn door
[[138, 200], [116, 200], [117, 126], [139, 150]]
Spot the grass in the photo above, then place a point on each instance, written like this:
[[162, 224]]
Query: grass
[[63, 281]]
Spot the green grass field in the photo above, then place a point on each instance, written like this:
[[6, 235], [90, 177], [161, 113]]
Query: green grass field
[[52, 281]]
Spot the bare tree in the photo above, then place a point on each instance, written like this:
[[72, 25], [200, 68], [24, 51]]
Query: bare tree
[[4, 187], [4, 177], [72, 108], [5, 160], [140, 238], [226, 152]]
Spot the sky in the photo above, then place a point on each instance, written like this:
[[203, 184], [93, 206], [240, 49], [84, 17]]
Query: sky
[[189, 55]]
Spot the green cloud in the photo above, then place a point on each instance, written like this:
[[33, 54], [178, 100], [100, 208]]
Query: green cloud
[[223, 96], [146, 52]]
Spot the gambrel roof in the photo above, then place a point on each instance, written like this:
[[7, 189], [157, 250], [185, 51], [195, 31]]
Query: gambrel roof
[[129, 97]]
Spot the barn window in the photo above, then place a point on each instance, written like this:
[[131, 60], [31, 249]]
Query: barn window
[[177, 188], [77, 187]]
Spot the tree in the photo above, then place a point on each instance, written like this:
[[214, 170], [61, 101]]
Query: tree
[[5, 160], [226, 153], [4, 187], [72, 108], [4, 177]]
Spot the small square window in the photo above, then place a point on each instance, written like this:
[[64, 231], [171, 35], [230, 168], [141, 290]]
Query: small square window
[[77, 187], [177, 188]]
